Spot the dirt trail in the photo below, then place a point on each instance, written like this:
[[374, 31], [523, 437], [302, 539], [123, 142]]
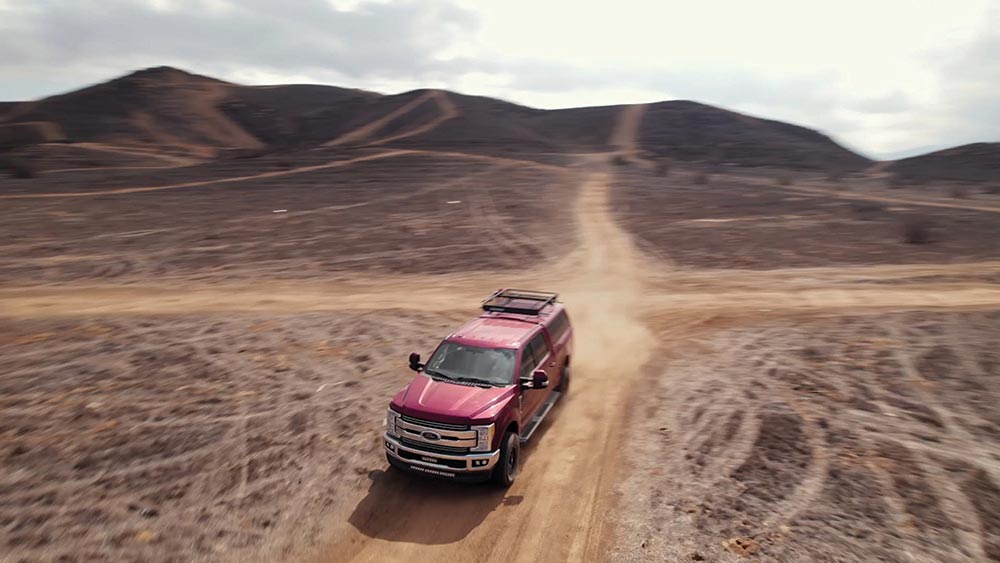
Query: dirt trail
[[291, 171], [555, 511], [365, 133], [705, 291], [448, 111], [173, 160], [199, 183], [626, 131], [903, 199], [893, 199]]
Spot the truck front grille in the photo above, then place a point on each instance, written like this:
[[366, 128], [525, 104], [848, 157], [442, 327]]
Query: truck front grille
[[432, 424], [441, 449]]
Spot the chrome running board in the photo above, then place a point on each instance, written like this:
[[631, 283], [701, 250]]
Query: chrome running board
[[536, 420]]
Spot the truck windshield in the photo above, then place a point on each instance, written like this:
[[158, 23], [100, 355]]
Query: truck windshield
[[494, 366]]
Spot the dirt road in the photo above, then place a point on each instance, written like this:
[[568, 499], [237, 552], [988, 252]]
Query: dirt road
[[556, 509]]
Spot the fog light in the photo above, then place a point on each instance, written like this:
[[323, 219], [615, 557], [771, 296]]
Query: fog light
[[389, 446]]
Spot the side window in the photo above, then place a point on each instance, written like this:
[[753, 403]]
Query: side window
[[527, 361], [540, 348], [559, 326]]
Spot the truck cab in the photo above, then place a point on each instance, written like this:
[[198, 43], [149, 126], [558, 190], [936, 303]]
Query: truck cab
[[483, 391]]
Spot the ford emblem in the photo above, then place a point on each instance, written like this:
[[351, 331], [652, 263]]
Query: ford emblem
[[432, 436]]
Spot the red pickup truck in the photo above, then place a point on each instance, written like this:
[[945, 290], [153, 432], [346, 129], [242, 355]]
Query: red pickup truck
[[484, 391]]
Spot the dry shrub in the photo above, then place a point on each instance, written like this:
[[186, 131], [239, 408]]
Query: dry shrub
[[701, 178], [619, 160], [992, 190], [662, 169], [784, 181], [836, 176], [958, 192], [897, 181], [866, 209], [18, 168], [916, 230]]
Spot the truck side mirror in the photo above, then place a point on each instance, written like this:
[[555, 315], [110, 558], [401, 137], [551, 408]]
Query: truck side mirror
[[539, 380], [415, 364]]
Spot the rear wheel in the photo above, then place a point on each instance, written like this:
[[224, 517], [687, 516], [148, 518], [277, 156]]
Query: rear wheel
[[564, 380], [510, 457]]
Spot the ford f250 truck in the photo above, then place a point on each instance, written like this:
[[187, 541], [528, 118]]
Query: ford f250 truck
[[484, 391]]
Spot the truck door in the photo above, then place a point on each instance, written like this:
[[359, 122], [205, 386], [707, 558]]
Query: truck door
[[541, 358]]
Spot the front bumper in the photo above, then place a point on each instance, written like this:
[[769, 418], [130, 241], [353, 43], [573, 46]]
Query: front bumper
[[439, 464]]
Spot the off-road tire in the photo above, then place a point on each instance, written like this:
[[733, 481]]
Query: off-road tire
[[510, 459], [564, 380]]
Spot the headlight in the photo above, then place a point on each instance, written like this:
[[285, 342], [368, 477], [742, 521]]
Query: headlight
[[484, 438], [391, 417]]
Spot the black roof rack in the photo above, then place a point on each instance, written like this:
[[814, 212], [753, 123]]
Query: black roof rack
[[518, 301]]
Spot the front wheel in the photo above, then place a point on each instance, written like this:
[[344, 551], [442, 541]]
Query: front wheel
[[510, 453]]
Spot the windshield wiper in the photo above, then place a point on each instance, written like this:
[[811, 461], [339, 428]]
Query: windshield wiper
[[474, 380], [433, 373]]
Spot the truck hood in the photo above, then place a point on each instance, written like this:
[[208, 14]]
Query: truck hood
[[446, 402]]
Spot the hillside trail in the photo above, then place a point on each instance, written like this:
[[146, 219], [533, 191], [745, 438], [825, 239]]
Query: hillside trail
[[366, 133], [339, 163], [625, 135], [201, 183], [171, 160]]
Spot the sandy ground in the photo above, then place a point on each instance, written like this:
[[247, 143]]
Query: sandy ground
[[166, 438], [189, 375], [850, 438]]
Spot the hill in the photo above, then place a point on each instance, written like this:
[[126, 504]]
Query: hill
[[687, 130], [180, 112], [976, 162]]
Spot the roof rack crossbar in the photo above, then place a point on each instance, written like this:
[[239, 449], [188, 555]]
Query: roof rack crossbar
[[518, 301]]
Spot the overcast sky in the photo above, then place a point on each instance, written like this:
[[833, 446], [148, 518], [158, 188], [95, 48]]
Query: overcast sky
[[885, 77]]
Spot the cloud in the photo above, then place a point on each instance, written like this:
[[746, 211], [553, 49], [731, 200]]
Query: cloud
[[374, 39], [969, 100], [894, 102]]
